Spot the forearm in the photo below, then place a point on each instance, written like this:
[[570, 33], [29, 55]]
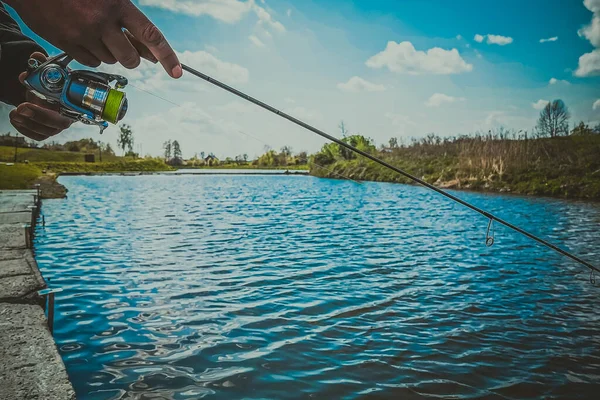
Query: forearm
[[15, 49]]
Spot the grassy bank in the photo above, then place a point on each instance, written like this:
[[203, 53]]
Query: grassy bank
[[251, 167], [19, 176], [123, 165], [7, 154], [563, 166]]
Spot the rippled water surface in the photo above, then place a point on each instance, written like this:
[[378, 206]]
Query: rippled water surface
[[290, 287]]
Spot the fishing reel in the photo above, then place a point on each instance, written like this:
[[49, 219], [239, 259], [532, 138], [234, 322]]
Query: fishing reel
[[85, 96]]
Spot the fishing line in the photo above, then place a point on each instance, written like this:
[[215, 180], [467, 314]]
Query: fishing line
[[379, 161]]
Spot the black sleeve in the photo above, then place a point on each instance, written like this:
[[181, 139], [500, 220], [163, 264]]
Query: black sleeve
[[15, 49]]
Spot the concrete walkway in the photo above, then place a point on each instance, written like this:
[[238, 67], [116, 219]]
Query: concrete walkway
[[30, 366]]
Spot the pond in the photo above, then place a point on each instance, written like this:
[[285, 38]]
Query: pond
[[180, 287]]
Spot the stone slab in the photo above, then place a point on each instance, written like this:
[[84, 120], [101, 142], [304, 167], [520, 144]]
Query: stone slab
[[18, 217], [12, 236], [31, 367]]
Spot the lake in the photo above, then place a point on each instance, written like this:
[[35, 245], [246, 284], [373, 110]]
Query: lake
[[260, 287]]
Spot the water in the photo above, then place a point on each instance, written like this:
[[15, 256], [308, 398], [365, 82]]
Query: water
[[292, 287]]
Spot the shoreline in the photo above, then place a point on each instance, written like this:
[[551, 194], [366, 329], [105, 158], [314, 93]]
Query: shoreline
[[31, 366]]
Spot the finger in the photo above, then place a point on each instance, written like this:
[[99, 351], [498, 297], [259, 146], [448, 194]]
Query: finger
[[100, 51], [142, 50], [22, 129], [83, 56], [29, 133], [19, 120], [147, 33], [44, 116], [36, 55], [121, 48]]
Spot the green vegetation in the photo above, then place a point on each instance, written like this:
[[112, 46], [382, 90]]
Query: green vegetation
[[139, 165], [566, 166], [18, 176]]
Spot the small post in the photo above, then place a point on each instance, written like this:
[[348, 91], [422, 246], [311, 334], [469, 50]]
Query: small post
[[28, 241], [38, 198], [49, 307], [33, 210]]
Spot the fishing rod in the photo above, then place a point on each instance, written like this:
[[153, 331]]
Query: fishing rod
[[90, 98], [492, 218]]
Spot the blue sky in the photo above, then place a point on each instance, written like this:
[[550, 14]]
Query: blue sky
[[401, 68]]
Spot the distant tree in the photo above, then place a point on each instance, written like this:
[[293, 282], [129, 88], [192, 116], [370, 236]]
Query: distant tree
[[596, 129], [343, 129], [168, 148], [302, 158], [125, 139], [202, 155], [554, 120], [582, 129], [393, 143], [245, 157], [286, 151], [177, 150]]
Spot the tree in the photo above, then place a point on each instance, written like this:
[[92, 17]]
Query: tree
[[177, 150], [125, 139], [202, 155], [554, 120], [343, 129], [393, 143], [168, 147], [582, 129]]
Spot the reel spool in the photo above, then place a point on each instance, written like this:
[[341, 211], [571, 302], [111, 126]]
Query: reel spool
[[84, 96]]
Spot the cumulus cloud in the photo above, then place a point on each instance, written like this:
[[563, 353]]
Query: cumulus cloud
[[550, 39], [151, 77], [404, 58], [494, 39], [438, 99], [358, 84], [540, 104], [228, 11], [554, 81], [596, 105], [589, 63], [257, 42]]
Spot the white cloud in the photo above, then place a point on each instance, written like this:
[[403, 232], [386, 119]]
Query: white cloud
[[437, 99], [589, 63], [494, 39], [228, 11], [551, 39], [357, 84], [459, 37], [596, 105], [151, 77], [289, 12], [540, 104], [257, 42], [404, 58], [554, 81], [400, 120]]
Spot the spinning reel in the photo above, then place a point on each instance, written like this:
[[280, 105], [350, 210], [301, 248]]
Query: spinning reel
[[85, 96]]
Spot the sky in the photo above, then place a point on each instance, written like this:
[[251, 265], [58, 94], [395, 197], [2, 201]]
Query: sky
[[387, 68]]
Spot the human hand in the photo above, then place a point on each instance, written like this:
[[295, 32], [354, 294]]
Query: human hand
[[37, 119], [94, 31]]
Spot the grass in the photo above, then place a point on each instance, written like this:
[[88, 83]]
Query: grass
[[18, 176], [7, 154], [249, 166], [142, 165], [563, 166]]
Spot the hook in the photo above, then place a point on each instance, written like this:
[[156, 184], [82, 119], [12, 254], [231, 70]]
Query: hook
[[490, 239]]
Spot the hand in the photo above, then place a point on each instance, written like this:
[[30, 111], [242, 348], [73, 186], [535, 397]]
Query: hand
[[92, 32], [36, 118]]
